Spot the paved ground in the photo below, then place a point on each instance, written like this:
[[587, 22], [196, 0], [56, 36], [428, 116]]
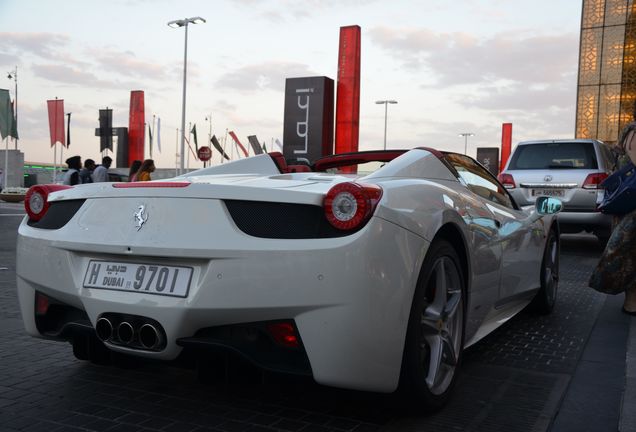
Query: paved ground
[[533, 374]]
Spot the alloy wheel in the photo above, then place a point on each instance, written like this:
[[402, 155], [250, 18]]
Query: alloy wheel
[[442, 326]]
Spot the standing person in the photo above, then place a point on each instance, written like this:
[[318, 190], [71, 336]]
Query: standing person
[[86, 173], [147, 167], [616, 270], [71, 176], [101, 172], [132, 174]]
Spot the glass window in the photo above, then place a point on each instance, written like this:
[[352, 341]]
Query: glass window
[[478, 180], [554, 155]]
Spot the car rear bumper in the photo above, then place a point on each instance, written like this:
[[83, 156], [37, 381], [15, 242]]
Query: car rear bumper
[[349, 297]]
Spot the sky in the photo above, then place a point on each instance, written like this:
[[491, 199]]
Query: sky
[[452, 66]]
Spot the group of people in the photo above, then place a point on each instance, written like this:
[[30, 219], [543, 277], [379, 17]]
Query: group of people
[[92, 173]]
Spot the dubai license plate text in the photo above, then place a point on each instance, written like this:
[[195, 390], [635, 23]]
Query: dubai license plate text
[[142, 278]]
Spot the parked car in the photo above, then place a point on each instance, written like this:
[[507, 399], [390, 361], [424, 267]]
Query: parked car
[[570, 170], [362, 281]]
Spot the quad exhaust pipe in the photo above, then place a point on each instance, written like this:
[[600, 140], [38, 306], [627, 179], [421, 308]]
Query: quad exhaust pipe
[[149, 336], [104, 329], [126, 332], [131, 331]]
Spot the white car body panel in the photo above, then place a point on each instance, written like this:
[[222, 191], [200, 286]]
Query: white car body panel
[[349, 296]]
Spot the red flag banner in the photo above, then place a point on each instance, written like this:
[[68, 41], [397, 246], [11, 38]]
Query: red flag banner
[[238, 143], [56, 121]]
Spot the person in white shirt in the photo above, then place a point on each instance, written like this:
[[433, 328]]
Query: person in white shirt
[[100, 174]]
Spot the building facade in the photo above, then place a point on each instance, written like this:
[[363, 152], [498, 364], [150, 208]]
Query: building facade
[[606, 89]]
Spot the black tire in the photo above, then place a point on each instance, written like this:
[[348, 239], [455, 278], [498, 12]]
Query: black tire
[[543, 303], [435, 339]]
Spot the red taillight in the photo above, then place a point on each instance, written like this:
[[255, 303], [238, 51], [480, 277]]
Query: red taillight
[[348, 205], [144, 184], [593, 181], [507, 181], [41, 304], [36, 201], [284, 333]]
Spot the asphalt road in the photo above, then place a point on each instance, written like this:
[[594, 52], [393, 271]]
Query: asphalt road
[[514, 380]]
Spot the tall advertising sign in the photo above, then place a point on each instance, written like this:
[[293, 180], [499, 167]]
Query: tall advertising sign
[[506, 144], [136, 127], [308, 126], [489, 158], [348, 99]]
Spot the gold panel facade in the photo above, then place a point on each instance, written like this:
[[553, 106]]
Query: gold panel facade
[[608, 109], [615, 12], [593, 13], [613, 41], [586, 115], [606, 93], [590, 61]]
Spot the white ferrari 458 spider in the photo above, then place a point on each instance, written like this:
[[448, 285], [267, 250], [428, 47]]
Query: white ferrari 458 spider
[[368, 271]]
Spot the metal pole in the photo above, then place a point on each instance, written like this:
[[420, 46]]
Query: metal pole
[[15, 139], [183, 104], [6, 164], [465, 143], [386, 107]]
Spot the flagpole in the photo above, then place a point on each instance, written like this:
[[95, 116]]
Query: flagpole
[[224, 145], [5, 180], [189, 139], [176, 156], [210, 139], [153, 133], [54, 162]]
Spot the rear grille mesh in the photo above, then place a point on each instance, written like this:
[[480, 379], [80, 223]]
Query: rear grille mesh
[[281, 220], [58, 215]]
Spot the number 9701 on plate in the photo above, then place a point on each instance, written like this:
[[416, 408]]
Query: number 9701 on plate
[[154, 279]]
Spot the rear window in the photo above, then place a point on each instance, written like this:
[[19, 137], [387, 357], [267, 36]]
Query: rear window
[[561, 155]]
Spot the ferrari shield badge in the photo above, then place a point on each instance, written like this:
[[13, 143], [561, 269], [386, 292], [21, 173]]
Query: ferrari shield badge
[[140, 216]]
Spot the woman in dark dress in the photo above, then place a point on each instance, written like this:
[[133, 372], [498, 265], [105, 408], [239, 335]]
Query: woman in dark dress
[[616, 270]]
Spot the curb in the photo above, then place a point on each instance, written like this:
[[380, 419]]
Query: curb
[[627, 422]]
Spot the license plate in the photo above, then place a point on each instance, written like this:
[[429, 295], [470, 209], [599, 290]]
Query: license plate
[[142, 278], [548, 192]]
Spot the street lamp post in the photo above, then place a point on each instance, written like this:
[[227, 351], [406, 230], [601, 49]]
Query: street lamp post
[[386, 104], [14, 76], [466, 135], [174, 24]]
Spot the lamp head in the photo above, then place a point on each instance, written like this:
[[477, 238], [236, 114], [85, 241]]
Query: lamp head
[[176, 23], [186, 21], [9, 75]]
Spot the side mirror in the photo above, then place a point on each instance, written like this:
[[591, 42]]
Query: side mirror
[[548, 205]]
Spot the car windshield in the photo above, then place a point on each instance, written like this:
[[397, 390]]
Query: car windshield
[[554, 155], [359, 169]]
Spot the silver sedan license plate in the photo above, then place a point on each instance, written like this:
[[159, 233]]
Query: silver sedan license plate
[[142, 278], [548, 192]]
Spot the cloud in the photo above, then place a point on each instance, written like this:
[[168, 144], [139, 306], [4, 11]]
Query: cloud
[[126, 63], [458, 58], [521, 97], [9, 60], [263, 76], [75, 77], [44, 45]]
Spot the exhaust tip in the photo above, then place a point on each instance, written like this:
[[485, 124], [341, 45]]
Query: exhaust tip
[[125, 332], [149, 336], [104, 329]]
